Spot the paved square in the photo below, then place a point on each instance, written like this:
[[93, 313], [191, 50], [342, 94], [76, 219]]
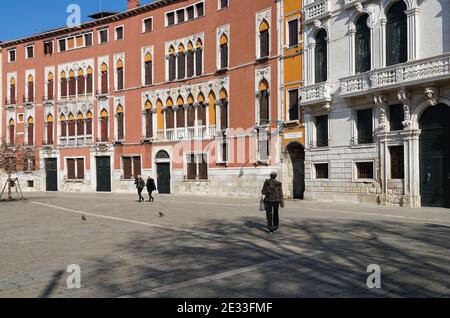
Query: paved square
[[218, 247]]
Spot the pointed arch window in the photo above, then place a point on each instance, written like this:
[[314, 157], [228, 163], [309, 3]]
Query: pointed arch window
[[264, 112], [30, 83], [120, 122], [148, 69], [321, 57], [104, 78], [89, 82], [201, 111], [30, 131], [181, 62], [80, 124], [50, 94], [12, 91], [120, 74], [12, 131], [199, 58], [223, 109], [180, 113], [71, 125], [190, 60], [104, 121], [49, 129], [63, 81], [170, 115], [63, 124], [264, 39], [191, 112], [396, 34], [148, 120], [72, 84], [172, 64], [89, 124], [223, 52], [362, 45], [81, 83]]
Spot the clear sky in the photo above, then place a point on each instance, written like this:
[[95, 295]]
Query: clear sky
[[20, 18]]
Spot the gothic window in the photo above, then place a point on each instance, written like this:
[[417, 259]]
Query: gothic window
[[148, 120], [104, 121], [50, 129], [104, 78], [172, 64], [224, 110], [223, 52], [81, 82], [72, 84], [201, 111], [170, 115], [321, 57], [80, 124], [89, 83], [199, 58], [148, 69], [181, 62], [12, 90], [362, 45], [71, 125], [89, 124], [263, 103], [396, 34], [30, 84], [120, 122], [50, 86], [63, 124], [190, 61], [12, 132], [191, 112], [264, 39], [30, 131], [364, 126], [120, 79], [322, 131], [180, 113], [63, 85]]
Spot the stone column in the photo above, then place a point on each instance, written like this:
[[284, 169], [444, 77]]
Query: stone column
[[413, 34], [380, 102]]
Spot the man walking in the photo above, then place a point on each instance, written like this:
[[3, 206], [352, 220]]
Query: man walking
[[273, 199], [140, 185], [151, 186]]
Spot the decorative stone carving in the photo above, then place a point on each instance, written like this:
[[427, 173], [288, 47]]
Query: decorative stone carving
[[326, 107], [432, 95], [403, 97], [380, 101]]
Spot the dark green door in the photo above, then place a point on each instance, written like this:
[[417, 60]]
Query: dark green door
[[163, 173], [435, 156], [103, 174], [51, 174], [297, 154]]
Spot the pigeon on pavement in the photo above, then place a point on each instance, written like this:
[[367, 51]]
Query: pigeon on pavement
[[83, 218], [161, 214]]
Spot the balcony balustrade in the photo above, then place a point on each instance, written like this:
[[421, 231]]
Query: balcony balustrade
[[315, 94], [316, 10]]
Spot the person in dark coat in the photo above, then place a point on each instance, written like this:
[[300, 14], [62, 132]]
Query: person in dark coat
[[273, 199], [151, 186], [140, 185]]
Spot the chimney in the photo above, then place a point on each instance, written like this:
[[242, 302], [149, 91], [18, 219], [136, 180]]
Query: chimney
[[132, 4]]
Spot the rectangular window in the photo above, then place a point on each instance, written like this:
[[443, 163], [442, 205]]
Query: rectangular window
[[103, 36], [120, 79], [397, 162], [364, 170], [12, 56], [293, 33], [197, 167], [180, 16], [131, 167], [88, 39], [321, 170], [190, 13], [147, 25], [80, 169], [71, 169], [396, 117], [30, 51], [170, 18], [119, 33], [365, 126], [62, 45], [322, 131], [48, 48], [293, 105], [200, 9], [223, 151], [191, 167], [223, 4]]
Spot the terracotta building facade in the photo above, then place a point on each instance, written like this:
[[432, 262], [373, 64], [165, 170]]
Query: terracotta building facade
[[187, 92]]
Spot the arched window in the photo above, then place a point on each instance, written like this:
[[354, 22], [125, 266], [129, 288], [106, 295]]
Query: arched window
[[148, 69], [12, 91], [362, 45], [104, 78], [172, 64], [120, 123], [223, 109], [180, 113], [162, 155], [148, 120], [264, 39], [71, 125], [49, 129], [190, 60], [264, 112], [201, 111], [396, 34], [120, 79], [63, 81], [104, 126], [191, 112], [81, 82], [198, 58], [63, 124], [170, 115], [321, 57], [223, 52], [12, 131], [30, 131], [72, 84], [80, 124], [89, 124], [89, 82], [181, 62], [50, 86], [30, 83]]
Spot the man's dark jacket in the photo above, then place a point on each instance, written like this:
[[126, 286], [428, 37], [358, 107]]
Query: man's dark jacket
[[151, 186], [273, 191]]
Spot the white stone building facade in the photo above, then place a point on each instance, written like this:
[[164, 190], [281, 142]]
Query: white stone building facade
[[376, 98]]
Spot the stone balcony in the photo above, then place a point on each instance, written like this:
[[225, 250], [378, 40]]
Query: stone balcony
[[316, 94], [317, 10], [397, 76]]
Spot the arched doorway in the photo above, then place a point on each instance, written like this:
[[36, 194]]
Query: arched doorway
[[163, 172], [435, 156], [297, 156]]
